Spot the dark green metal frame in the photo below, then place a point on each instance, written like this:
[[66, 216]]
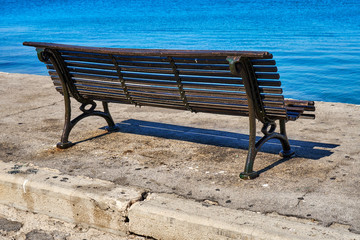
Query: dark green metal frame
[[69, 89], [242, 66]]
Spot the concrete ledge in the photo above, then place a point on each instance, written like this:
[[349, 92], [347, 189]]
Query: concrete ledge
[[120, 210], [164, 216], [96, 203]]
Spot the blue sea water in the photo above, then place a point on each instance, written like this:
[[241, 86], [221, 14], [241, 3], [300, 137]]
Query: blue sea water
[[316, 43]]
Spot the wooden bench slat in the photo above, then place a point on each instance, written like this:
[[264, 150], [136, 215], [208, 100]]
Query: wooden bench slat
[[160, 100], [307, 116], [277, 116], [299, 102], [85, 59], [53, 73], [300, 108], [274, 103], [148, 58], [141, 58], [92, 92], [219, 105], [84, 54], [154, 59], [180, 66], [223, 67], [149, 88], [269, 83], [201, 60], [267, 75], [293, 115], [147, 70], [176, 59], [152, 91], [95, 77], [91, 65], [271, 90], [159, 62], [152, 52], [275, 110], [150, 82], [228, 88], [220, 111], [263, 61], [107, 84], [216, 100], [236, 81], [152, 76], [154, 104], [144, 64], [265, 69], [81, 87], [57, 85], [213, 93], [153, 94], [99, 83], [243, 107], [93, 72], [109, 97], [222, 87], [138, 87], [207, 73], [104, 96], [272, 97]]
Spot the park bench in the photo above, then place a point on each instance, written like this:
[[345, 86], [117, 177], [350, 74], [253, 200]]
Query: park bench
[[242, 83]]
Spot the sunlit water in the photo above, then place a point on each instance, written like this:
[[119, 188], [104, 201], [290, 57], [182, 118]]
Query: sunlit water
[[316, 43]]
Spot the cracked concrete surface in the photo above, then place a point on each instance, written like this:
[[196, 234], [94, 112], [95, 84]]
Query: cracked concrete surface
[[77, 199], [24, 225], [198, 156], [165, 216]]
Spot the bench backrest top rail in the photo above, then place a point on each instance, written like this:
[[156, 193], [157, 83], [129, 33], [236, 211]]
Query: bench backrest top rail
[[152, 52]]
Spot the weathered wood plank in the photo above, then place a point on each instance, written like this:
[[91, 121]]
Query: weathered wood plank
[[152, 52]]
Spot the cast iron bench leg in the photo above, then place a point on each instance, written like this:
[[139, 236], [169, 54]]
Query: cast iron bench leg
[[249, 173], [254, 146], [69, 124], [287, 151]]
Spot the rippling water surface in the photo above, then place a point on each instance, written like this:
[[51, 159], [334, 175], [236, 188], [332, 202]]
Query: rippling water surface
[[316, 43]]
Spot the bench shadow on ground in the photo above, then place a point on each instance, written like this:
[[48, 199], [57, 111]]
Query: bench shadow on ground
[[303, 149]]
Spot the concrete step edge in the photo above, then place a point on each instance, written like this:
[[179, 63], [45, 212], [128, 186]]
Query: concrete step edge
[[123, 209]]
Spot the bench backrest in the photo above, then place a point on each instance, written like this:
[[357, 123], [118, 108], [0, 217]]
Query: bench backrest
[[195, 80]]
